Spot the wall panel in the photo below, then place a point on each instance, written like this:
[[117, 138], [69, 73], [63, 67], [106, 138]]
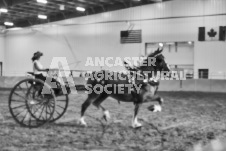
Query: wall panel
[[99, 35]]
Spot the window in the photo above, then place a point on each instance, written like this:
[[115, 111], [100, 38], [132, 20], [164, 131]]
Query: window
[[203, 73]]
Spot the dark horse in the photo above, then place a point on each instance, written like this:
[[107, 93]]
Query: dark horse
[[141, 87]]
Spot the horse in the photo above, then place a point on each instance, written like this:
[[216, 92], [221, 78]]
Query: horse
[[140, 90]]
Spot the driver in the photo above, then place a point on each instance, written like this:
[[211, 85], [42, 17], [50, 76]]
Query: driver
[[38, 72], [37, 66]]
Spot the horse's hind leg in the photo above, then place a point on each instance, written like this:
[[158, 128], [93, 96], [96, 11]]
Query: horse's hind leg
[[135, 123], [85, 105], [98, 102]]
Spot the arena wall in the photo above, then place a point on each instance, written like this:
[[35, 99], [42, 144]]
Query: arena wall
[[193, 85], [8, 82], [2, 47], [99, 35]]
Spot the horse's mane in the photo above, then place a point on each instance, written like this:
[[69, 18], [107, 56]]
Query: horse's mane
[[143, 67], [153, 54]]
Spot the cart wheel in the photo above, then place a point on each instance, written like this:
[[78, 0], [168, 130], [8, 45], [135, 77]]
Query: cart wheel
[[60, 107], [32, 103]]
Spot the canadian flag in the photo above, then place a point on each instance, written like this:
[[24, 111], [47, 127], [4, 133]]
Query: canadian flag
[[212, 33]]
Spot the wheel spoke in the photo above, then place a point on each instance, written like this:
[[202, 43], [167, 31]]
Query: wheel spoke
[[33, 108], [24, 117], [51, 103], [31, 93], [17, 100], [57, 112], [49, 108], [20, 96], [60, 106], [18, 106], [26, 84], [37, 109], [29, 122], [61, 100], [21, 89], [39, 102], [41, 113], [46, 111], [20, 112]]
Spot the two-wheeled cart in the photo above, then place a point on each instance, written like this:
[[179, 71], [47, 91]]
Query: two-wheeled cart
[[33, 102]]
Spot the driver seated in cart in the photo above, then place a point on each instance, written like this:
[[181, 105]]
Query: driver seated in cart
[[39, 71]]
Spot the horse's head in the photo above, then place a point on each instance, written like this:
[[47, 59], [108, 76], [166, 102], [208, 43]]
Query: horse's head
[[161, 64], [158, 62]]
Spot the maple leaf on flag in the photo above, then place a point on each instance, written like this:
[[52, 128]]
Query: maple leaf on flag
[[212, 33]]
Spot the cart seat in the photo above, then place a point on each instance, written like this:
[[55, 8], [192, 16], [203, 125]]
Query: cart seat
[[31, 73]]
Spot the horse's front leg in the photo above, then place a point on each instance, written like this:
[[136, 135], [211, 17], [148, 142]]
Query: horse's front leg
[[106, 113], [135, 123], [155, 108]]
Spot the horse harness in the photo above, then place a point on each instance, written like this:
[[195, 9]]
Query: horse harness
[[132, 80]]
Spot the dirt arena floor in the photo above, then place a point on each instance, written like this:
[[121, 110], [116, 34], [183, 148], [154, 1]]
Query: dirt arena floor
[[188, 121]]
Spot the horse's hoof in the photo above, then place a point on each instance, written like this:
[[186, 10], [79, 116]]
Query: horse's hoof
[[161, 100], [106, 115], [137, 125], [155, 108], [151, 108], [82, 122]]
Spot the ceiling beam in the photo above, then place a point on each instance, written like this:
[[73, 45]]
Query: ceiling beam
[[22, 10], [88, 2], [71, 4], [40, 7], [56, 6], [9, 3], [9, 17], [105, 2], [19, 13], [67, 6]]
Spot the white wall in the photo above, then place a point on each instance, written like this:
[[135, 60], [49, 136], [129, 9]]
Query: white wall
[[211, 55], [2, 48], [99, 35]]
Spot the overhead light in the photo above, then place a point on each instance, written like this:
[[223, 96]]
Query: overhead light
[[160, 44], [80, 9], [42, 1], [190, 42], [3, 10], [42, 16], [8, 23]]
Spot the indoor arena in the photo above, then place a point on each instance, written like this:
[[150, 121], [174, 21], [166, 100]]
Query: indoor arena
[[112, 75]]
